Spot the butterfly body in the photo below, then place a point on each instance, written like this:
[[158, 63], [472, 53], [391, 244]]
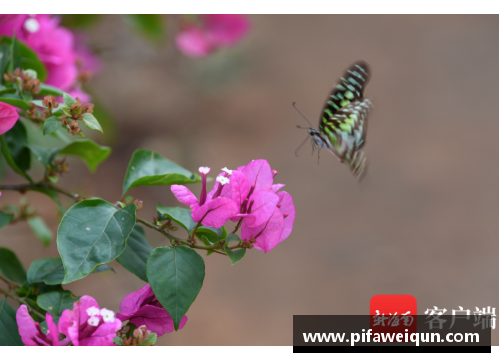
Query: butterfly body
[[343, 122]]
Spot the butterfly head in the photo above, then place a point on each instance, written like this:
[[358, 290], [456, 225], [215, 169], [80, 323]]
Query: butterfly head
[[317, 137]]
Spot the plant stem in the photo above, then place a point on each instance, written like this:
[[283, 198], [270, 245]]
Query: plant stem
[[8, 282], [20, 300], [237, 226]]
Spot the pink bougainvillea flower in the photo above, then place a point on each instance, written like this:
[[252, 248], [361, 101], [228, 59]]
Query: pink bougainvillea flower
[[31, 333], [87, 325], [142, 308], [8, 117], [215, 31], [212, 210]]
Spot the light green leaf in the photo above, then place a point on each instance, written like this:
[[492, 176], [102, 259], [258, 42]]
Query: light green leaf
[[176, 276], [92, 233], [43, 154], [16, 102], [152, 26], [9, 334], [177, 214], [51, 124], [147, 168], [236, 255], [48, 90], [5, 219], [28, 59], [68, 100], [90, 152], [136, 253], [11, 267], [91, 122], [56, 302], [150, 341], [40, 229]]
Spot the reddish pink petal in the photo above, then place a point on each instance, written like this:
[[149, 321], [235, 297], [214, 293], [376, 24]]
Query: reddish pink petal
[[156, 319], [8, 117], [67, 324], [193, 42], [103, 335], [287, 206], [264, 203], [53, 331], [133, 301], [183, 194], [239, 187], [259, 174], [226, 29], [26, 326], [276, 187], [215, 212], [268, 234]]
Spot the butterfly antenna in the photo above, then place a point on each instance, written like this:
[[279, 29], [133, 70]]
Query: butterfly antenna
[[293, 104], [302, 144]]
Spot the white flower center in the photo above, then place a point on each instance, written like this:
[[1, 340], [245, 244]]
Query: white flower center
[[107, 315], [223, 180], [31, 25], [93, 311], [228, 171], [93, 321], [204, 170]]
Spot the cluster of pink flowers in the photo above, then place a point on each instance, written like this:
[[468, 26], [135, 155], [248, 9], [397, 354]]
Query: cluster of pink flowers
[[248, 196], [214, 31], [65, 58], [88, 325]]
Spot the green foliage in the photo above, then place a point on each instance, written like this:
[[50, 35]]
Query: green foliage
[[91, 122], [47, 270], [88, 151], [57, 301], [136, 253], [17, 155], [5, 219], [182, 217], [151, 26], [11, 267], [51, 125], [148, 168], [5, 90], [15, 101], [48, 90], [92, 233], [68, 100], [236, 255], [40, 229], [9, 335], [176, 276], [26, 58]]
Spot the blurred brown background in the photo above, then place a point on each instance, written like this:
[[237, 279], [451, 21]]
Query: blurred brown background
[[424, 222]]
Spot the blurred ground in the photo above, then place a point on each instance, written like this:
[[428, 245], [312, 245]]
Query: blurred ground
[[425, 222]]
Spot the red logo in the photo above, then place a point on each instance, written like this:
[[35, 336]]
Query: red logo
[[393, 314]]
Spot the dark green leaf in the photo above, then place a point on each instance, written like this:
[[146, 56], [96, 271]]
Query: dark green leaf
[[43, 154], [152, 26], [11, 267], [52, 124], [147, 168], [92, 233], [40, 229], [212, 234], [136, 253], [176, 276], [15, 60], [5, 90], [235, 255], [91, 122], [9, 334], [16, 102], [53, 195], [5, 219], [28, 59], [10, 160], [16, 139], [103, 268], [4, 59], [68, 100], [177, 214], [48, 90], [48, 270], [57, 301], [90, 152], [232, 237]]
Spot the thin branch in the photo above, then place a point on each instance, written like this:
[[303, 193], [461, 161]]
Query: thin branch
[[21, 300], [9, 282]]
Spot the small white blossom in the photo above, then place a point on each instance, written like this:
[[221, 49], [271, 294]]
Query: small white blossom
[[223, 180], [229, 172], [107, 315], [93, 311], [31, 25], [93, 321], [204, 170]]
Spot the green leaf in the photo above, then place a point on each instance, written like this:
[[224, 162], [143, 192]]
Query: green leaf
[[47, 270], [150, 341], [147, 168], [118, 341], [5, 219], [15, 60], [181, 216], [103, 268], [232, 237], [28, 59], [11, 267], [5, 90], [43, 325], [151, 26], [57, 301], [48, 90], [68, 100], [40, 229], [43, 154], [90, 152], [212, 234], [53, 195], [4, 59], [10, 160], [15, 140], [91, 122], [176, 276], [92, 233], [236, 255], [52, 124], [136, 253], [16, 102], [9, 334]]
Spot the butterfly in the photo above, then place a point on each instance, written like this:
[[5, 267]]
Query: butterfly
[[343, 122]]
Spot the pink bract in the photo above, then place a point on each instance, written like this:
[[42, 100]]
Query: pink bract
[[31, 333], [8, 117]]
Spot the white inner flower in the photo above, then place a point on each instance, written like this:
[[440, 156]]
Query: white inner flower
[[223, 180], [204, 170], [93, 311], [93, 321], [229, 172], [107, 315], [31, 25]]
